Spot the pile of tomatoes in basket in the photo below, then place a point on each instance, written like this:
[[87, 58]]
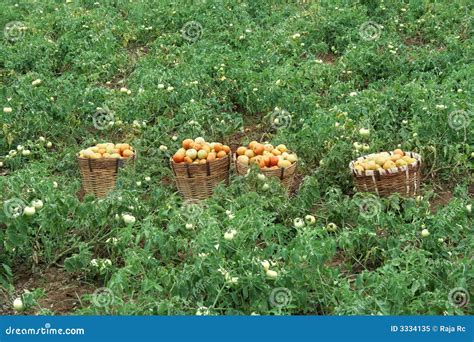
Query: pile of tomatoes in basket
[[266, 155], [108, 150], [199, 151]]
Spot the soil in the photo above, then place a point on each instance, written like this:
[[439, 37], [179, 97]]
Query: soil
[[62, 291]]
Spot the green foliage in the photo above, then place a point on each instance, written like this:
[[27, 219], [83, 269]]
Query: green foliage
[[308, 58]]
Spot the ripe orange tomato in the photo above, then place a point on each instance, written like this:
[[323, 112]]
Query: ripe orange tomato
[[178, 158], [258, 149], [221, 154], [211, 156], [249, 153], [187, 143], [218, 147], [252, 144], [273, 161], [226, 149], [127, 153], [266, 160], [241, 150]]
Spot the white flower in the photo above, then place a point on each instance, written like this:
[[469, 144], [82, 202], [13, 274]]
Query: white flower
[[55, 184], [216, 247], [147, 178], [123, 90], [425, 233], [265, 187], [234, 280], [266, 265], [26, 152], [202, 255], [228, 212], [18, 304], [42, 139], [128, 219], [163, 148], [174, 138], [440, 240], [310, 219], [241, 37], [261, 176], [354, 93], [278, 82], [298, 222], [255, 89], [189, 226], [337, 124], [1, 164], [36, 82], [441, 107], [271, 274], [94, 263], [296, 35], [20, 148], [12, 153], [49, 144], [7, 109], [469, 208], [161, 86], [38, 204], [248, 30], [170, 88], [138, 183]]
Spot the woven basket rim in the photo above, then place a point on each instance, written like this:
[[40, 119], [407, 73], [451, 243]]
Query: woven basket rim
[[386, 173]]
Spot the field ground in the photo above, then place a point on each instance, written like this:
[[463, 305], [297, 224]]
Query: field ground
[[310, 75]]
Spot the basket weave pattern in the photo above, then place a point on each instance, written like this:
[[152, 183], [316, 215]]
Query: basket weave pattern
[[99, 176], [197, 181], [285, 175], [405, 180]]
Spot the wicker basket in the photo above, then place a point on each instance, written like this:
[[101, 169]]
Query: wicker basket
[[99, 176], [285, 175], [197, 181], [405, 180]]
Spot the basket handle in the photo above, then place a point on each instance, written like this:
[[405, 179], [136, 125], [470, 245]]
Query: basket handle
[[89, 162], [208, 169], [282, 173]]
